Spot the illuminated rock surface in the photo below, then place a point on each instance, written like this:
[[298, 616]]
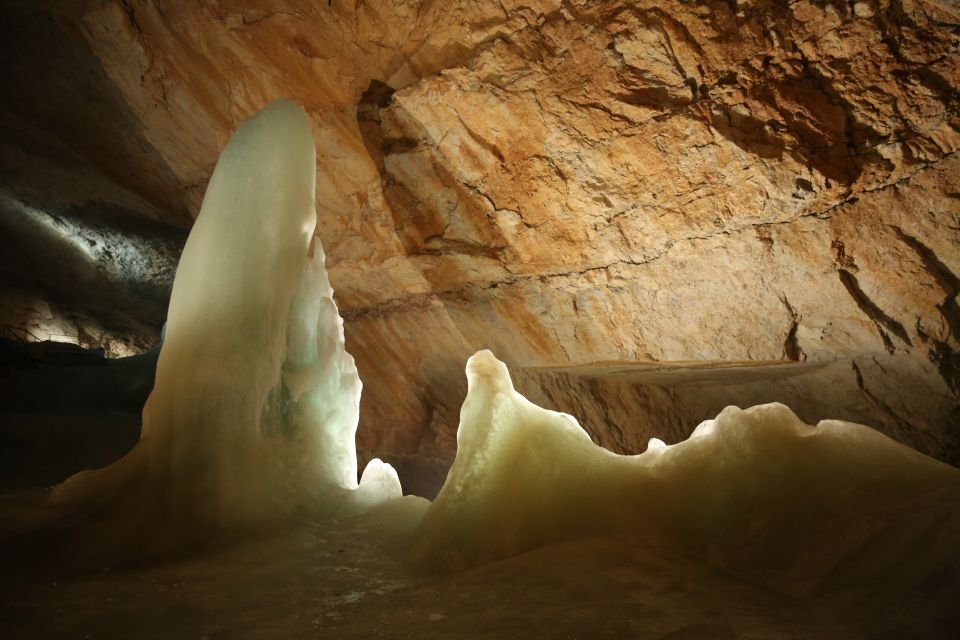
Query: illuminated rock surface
[[91, 276], [567, 183]]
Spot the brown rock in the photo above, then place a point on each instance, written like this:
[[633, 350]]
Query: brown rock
[[688, 189]]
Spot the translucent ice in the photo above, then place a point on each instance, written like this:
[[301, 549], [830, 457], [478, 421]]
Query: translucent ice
[[255, 406], [755, 491]]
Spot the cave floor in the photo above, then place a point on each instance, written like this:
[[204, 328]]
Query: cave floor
[[342, 578]]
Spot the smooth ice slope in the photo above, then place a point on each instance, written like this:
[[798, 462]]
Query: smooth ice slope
[[255, 406], [755, 491]]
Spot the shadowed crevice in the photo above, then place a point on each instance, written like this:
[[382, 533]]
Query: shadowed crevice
[[875, 313], [942, 354]]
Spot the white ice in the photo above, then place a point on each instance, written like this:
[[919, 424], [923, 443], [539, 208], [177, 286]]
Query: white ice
[[756, 492], [255, 407]]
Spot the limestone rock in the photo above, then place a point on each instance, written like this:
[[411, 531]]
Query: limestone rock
[[641, 200]]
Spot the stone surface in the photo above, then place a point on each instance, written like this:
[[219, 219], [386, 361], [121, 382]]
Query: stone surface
[[88, 275], [567, 183]]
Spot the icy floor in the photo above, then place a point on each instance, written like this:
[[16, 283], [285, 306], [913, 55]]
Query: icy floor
[[342, 579]]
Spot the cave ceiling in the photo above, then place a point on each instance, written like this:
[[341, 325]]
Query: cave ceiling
[[649, 210]]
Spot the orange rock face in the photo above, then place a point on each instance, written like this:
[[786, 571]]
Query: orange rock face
[[647, 209]]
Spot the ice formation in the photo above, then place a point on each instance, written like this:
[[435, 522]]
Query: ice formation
[[255, 406], [756, 492]]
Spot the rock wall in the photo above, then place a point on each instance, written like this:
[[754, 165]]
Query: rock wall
[[647, 209], [86, 275]]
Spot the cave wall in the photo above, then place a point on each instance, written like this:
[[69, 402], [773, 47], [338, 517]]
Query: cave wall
[[607, 194], [91, 223], [86, 274]]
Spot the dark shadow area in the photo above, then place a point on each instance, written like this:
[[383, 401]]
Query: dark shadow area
[[46, 63], [64, 409]]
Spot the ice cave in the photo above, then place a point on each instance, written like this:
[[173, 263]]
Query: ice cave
[[409, 319]]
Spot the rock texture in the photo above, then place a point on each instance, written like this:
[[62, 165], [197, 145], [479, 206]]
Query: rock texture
[[632, 203], [88, 275]]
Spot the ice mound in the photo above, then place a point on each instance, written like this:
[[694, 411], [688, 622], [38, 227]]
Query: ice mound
[[256, 402], [756, 492]]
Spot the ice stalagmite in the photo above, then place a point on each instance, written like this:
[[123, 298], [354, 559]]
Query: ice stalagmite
[[756, 492], [256, 402]]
